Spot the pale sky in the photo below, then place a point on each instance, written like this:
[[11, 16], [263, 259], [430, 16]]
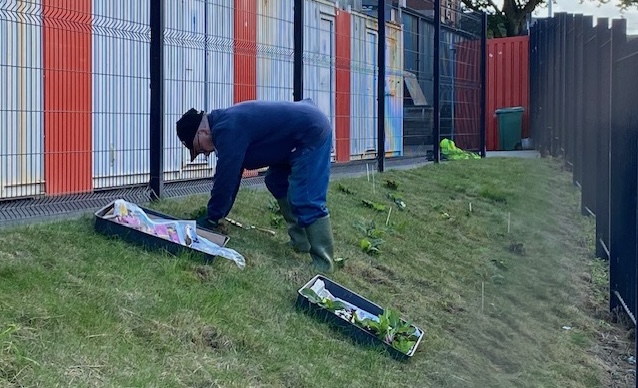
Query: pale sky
[[595, 9]]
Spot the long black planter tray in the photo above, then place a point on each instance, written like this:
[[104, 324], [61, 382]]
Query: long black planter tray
[[308, 302], [106, 225]]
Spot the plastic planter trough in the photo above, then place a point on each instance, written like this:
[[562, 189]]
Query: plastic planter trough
[[109, 227], [356, 332]]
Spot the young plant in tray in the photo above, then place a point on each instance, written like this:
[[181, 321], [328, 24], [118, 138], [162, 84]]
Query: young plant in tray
[[327, 303], [390, 328]]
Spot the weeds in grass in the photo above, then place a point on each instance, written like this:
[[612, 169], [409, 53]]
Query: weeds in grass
[[493, 303]]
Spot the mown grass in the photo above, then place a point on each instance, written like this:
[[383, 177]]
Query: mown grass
[[79, 309]]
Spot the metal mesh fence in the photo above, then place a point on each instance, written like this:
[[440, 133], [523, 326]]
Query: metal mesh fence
[[91, 91]]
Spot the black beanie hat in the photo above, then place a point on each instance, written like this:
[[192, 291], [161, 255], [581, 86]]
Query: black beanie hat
[[187, 127]]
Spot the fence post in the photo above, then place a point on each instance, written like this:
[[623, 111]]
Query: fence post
[[558, 108], [543, 76], [533, 68], [549, 91], [298, 50], [483, 66], [156, 132], [436, 111], [618, 171], [590, 138], [381, 87], [563, 84], [578, 97], [603, 77], [569, 94]]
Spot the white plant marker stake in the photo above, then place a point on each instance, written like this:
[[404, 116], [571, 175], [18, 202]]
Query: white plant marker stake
[[482, 296], [368, 171], [387, 220], [374, 191], [509, 221], [470, 207]]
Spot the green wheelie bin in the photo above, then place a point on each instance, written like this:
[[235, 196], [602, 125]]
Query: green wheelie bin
[[510, 127]]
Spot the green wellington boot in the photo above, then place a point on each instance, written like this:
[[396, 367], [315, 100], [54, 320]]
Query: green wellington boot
[[321, 244], [298, 239]]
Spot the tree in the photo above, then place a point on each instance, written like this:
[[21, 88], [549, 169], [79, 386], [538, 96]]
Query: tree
[[509, 19]]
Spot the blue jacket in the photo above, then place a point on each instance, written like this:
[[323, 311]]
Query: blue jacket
[[256, 134]]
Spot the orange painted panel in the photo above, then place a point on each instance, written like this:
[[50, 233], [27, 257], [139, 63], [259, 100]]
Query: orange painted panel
[[342, 81], [507, 82], [67, 96], [245, 50]]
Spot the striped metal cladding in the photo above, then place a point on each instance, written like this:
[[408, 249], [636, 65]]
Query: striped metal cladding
[[67, 35], [319, 58], [394, 90], [245, 46], [120, 93], [363, 133], [363, 124], [199, 74], [275, 49], [343, 51], [21, 94]]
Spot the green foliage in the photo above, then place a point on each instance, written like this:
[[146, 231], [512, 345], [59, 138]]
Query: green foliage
[[115, 310], [345, 190], [273, 206], [372, 237], [391, 184], [374, 205], [393, 330], [327, 303], [390, 328]]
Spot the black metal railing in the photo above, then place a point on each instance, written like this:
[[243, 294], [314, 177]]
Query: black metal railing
[[91, 93], [583, 93]]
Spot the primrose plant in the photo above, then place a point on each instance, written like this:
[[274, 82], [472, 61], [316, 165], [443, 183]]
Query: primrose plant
[[388, 327]]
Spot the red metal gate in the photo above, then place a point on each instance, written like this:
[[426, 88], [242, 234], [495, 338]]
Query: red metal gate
[[507, 82]]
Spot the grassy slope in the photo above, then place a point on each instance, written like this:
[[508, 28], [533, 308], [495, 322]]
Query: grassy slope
[[79, 309]]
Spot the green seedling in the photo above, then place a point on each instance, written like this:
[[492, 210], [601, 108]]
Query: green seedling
[[340, 262], [273, 206], [392, 185], [369, 229], [327, 303], [372, 240], [198, 213], [392, 330], [370, 246], [345, 190], [373, 205], [276, 220]]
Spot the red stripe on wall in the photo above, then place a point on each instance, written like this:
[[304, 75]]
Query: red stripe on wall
[[245, 50], [342, 81], [67, 66], [507, 82]]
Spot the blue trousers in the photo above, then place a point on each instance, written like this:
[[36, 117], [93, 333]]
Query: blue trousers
[[304, 181]]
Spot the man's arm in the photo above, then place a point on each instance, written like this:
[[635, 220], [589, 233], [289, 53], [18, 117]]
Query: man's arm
[[228, 173]]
